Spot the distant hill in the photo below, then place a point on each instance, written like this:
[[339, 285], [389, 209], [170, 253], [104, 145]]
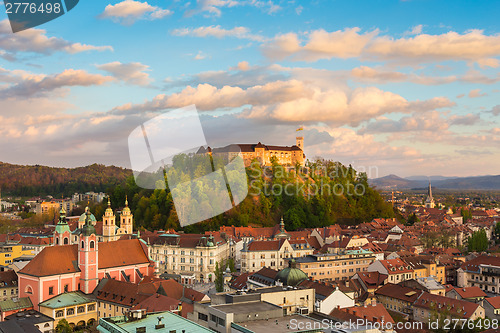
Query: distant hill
[[31, 180], [452, 183]]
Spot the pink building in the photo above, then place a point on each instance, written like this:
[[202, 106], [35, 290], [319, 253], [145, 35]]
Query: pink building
[[64, 268]]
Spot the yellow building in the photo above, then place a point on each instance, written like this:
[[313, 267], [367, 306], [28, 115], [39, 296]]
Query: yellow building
[[424, 267], [76, 307], [48, 208], [9, 252]]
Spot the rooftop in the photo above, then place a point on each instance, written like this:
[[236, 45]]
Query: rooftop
[[246, 307], [68, 299], [171, 322], [281, 325]]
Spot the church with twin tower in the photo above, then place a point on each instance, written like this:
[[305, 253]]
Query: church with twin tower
[[105, 230]]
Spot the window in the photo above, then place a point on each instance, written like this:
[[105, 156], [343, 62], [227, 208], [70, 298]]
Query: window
[[81, 309], [66, 288], [29, 290], [5, 292], [70, 312], [183, 260], [66, 241], [59, 314], [91, 244], [83, 244], [51, 290], [91, 307], [202, 316]]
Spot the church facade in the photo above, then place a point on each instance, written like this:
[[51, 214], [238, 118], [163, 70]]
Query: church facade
[[67, 267], [106, 230]]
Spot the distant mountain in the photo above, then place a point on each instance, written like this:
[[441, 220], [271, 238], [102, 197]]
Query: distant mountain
[[431, 178], [452, 183], [33, 180]]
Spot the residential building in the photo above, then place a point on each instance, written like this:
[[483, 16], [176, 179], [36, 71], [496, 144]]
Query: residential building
[[27, 320], [14, 305], [193, 256], [491, 307], [482, 272], [398, 298], [428, 284], [335, 266], [375, 313], [10, 251], [425, 266], [471, 294], [77, 308], [327, 297], [370, 281], [8, 285], [273, 253], [396, 269], [429, 307]]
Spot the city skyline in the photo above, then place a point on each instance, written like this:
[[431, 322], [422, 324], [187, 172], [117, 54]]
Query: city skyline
[[394, 85]]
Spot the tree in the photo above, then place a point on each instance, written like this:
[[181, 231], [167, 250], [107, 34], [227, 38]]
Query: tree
[[63, 327], [219, 277], [478, 242], [412, 219], [497, 232]]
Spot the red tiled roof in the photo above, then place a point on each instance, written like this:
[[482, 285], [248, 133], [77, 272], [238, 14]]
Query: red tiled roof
[[322, 289], [240, 281], [473, 265], [399, 292], [470, 292], [172, 288], [158, 303], [63, 259], [494, 301], [371, 313], [396, 266], [372, 279], [119, 292], [453, 306], [9, 278], [273, 245]]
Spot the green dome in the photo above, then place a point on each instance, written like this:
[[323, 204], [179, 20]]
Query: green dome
[[83, 216], [291, 276], [62, 228]]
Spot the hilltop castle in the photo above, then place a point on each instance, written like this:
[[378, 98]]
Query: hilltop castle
[[285, 155]]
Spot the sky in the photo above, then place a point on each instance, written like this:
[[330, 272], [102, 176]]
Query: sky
[[389, 86]]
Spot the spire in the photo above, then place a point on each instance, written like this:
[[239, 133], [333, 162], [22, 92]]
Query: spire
[[282, 225], [126, 201], [126, 209], [109, 210], [429, 190]]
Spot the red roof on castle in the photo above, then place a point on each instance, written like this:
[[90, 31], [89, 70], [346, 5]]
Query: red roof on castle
[[63, 259]]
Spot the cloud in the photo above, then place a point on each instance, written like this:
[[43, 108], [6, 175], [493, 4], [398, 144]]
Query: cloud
[[468, 119], [218, 32], [417, 122], [213, 7], [208, 98], [36, 41], [495, 110], [41, 85], [299, 10], [475, 93], [133, 73], [199, 56], [473, 46], [416, 30], [374, 75], [129, 11], [347, 43]]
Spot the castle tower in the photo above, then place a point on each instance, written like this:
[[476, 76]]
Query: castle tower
[[429, 202], [126, 219], [109, 224], [300, 142], [62, 233], [87, 256]]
